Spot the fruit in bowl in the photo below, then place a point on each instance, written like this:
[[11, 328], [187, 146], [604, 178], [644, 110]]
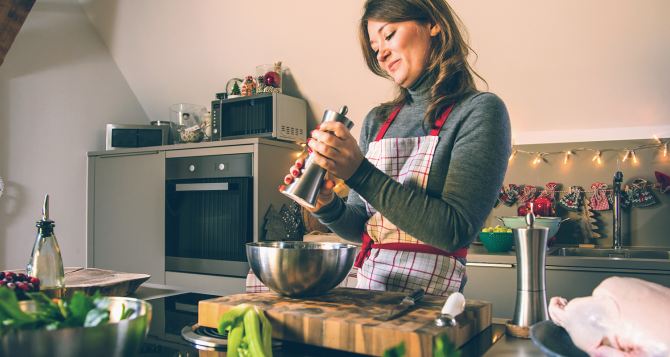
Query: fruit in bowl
[[496, 239]]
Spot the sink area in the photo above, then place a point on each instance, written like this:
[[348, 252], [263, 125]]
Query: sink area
[[613, 253]]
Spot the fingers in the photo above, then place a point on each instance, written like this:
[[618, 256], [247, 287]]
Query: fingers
[[335, 128]]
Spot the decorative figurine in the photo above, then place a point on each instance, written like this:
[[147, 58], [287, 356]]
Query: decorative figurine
[[249, 86], [236, 90]]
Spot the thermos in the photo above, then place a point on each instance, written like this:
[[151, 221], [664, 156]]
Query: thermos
[[531, 296], [305, 189], [46, 262]]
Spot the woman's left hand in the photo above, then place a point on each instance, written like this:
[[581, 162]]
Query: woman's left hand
[[334, 149]]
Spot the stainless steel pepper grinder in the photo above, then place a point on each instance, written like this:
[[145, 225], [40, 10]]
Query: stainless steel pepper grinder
[[305, 189], [531, 296]]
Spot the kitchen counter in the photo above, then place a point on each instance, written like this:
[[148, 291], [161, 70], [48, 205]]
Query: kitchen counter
[[479, 255], [164, 334]]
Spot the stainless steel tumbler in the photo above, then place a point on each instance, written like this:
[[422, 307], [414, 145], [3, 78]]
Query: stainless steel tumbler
[[305, 189]]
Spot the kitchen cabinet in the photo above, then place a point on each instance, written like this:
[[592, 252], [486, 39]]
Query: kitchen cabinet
[[127, 209], [126, 213], [496, 282]]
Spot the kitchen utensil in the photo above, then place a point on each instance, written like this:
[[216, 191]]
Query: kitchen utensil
[[453, 307], [407, 303], [305, 189], [300, 268], [531, 298], [552, 223], [116, 338], [345, 319]]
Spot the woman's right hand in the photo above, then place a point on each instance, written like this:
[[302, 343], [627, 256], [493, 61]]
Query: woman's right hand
[[326, 194]]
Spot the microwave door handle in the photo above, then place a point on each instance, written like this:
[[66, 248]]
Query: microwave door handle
[[215, 186]]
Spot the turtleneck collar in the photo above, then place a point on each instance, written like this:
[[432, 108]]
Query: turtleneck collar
[[420, 90]]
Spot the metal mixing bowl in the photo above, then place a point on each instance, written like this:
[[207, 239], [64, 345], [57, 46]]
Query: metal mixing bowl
[[116, 338], [301, 268]]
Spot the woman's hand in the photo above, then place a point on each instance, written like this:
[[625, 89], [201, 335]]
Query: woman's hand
[[326, 193], [334, 149]]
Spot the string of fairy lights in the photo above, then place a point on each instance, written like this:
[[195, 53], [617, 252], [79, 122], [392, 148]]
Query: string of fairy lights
[[627, 154]]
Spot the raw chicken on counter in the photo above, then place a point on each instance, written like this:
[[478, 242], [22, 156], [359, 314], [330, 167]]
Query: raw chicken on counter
[[623, 317]]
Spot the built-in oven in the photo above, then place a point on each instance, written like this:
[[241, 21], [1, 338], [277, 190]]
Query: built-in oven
[[208, 214]]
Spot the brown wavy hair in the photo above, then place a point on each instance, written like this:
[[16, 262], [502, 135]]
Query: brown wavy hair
[[447, 62]]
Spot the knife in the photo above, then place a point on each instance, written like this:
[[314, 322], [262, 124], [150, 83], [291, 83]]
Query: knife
[[407, 303]]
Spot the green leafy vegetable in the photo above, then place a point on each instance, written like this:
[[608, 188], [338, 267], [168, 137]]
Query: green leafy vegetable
[[249, 331], [444, 348], [441, 348], [396, 351], [79, 310]]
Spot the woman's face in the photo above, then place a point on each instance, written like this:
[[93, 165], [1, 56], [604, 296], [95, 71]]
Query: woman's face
[[402, 48]]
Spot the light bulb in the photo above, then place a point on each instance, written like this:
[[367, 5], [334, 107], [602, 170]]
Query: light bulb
[[511, 157], [597, 158], [567, 156], [657, 139]]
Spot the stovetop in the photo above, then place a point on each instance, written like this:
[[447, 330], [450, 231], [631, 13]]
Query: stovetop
[[172, 313]]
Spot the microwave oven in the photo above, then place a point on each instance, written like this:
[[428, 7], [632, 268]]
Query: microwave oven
[[267, 115], [134, 136]]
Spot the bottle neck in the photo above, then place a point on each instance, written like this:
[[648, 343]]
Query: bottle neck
[[45, 228]]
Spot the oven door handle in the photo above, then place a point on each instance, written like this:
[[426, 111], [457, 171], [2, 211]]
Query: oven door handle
[[214, 186]]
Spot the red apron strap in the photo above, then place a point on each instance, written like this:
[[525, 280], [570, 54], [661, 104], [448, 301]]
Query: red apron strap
[[435, 131], [387, 123], [364, 253], [440, 121], [421, 248]]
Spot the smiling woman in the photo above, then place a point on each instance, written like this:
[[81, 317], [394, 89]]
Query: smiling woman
[[428, 164]]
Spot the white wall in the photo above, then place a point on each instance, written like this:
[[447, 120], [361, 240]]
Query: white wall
[[569, 70], [58, 88]]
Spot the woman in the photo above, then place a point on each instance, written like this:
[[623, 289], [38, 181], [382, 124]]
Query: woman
[[428, 165]]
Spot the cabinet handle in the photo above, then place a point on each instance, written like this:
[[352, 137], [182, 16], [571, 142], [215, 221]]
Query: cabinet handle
[[490, 265], [129, 154], [223, 186]]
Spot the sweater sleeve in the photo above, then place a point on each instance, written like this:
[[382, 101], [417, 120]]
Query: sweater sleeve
[[347, 219], [477, 165]]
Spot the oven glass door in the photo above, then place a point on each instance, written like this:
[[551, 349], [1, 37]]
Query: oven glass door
[[207, 223]]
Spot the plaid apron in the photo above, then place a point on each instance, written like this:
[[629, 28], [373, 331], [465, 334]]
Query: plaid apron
[[390, 258]]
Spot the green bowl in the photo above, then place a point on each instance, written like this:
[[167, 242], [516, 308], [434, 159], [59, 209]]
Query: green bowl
[[497, 242]]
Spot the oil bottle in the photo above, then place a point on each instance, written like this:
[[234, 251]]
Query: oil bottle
[[46, 262]]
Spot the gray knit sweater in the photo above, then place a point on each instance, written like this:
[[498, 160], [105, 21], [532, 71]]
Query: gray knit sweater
[[465, 177]]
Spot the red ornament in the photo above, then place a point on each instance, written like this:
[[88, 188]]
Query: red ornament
[[542, 206], [272, 79]]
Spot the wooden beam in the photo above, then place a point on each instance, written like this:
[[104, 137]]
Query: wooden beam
[[12, 15]]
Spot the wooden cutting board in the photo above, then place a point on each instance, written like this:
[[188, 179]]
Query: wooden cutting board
[[344, 319]]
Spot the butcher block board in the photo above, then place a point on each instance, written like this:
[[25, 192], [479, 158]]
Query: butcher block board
[[107, 282], [344, 319]]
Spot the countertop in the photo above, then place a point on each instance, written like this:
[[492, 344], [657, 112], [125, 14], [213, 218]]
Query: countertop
[[200, 145], [491, 342], [478, 254]]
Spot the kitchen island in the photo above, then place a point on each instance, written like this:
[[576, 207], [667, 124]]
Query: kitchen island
[[174, 308]]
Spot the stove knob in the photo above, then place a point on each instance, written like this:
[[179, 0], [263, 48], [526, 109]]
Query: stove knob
[[222, 166], [191, 168]]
